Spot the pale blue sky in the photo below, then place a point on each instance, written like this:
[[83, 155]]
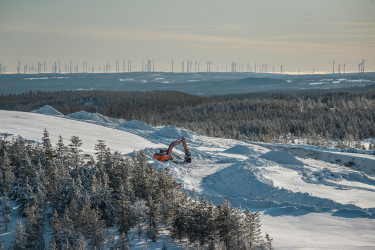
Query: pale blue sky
[[300, 34]]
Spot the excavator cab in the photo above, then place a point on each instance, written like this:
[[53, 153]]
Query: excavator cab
[[163, 151], [166, 154]]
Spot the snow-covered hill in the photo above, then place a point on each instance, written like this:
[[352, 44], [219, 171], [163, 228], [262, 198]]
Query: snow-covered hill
[[202, 83], [309, 197]]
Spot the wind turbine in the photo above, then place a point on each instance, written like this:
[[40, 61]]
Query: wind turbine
[[363, 65]]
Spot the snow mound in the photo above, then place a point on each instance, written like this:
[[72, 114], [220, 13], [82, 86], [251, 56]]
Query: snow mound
[[281, 157], [137, 125], [172, 132], [240, 149], [95, 117], [47, 110]]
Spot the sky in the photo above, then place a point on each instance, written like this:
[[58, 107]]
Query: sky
[[298, 34]]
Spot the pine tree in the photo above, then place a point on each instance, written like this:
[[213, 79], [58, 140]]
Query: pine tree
[[139, 207], [35, 227], [252, 228], [75, 151], [52, 244], [268, 244], [20, 238], [123, 243], [111, 242], [57, 233], [202, 223], [125, 217], [180, 223], [6, 213], [225, 223], [60, 149], [47, 147], [152, 215], [6, 174], [80, 243], [101, 152]]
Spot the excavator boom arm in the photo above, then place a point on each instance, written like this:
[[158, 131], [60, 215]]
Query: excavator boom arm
[[178, 142]]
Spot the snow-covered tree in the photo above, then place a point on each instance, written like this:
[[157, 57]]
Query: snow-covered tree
[[139, 207], [6, 212], [76, 159], [35, 227], [20, 237], [6, 174], [252, 228]]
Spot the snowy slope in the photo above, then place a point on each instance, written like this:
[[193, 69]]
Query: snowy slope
[[32, 125], [307, 196]]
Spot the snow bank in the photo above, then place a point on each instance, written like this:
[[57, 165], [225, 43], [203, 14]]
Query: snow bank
[[137, 125], [281, 157], [47, 110], [95, 117], [240, 149], [173, 132]]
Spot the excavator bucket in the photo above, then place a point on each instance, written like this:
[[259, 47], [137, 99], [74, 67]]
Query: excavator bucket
[[188, 158]]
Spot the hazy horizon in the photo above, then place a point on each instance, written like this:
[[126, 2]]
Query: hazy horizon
[[301, 35]]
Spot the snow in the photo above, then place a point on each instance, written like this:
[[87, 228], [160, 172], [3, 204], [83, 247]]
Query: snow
[[31, 126], [240, 149], [47, 110], [309, 197], [202, 83], [137, 125], [172, 132], [94, 117], [281, 157]]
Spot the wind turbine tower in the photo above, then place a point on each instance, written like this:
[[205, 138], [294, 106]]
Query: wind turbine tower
[[363, 65], [333, 67], [19, 67]]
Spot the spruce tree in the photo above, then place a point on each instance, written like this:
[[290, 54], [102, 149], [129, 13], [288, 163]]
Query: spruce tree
[[252, 228], [6, 174], [225, 223], [6, 213], [47, 147], [125, 217], [20, 238], [75, 152], [35, 227]]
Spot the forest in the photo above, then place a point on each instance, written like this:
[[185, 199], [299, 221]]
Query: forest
[[318, 118], [96, 203]]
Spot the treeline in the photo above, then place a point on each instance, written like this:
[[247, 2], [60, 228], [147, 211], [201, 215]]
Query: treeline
[[319, 117], [80, 198], [315, 118], [133, 105]]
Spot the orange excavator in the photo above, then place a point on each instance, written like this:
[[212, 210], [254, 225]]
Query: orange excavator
[[166, 154]]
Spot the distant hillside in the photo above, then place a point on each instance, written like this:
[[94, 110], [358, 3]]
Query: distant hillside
[[316, 116]]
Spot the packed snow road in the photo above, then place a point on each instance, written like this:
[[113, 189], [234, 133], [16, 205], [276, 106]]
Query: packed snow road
[[308, 197]]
